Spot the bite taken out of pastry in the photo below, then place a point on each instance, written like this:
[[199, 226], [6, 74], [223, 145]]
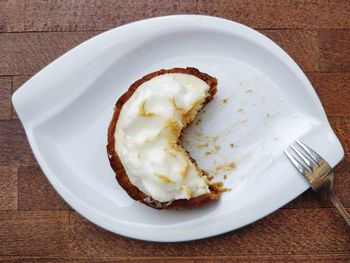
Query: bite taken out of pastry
[[143, 147]]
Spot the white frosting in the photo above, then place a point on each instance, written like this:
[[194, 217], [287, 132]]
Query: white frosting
[[148, 127]]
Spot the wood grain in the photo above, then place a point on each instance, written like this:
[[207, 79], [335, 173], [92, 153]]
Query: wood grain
[[34, 233], [281, 14], [333, 90], [101, 15], [335, 46], [8, 188], [315, 50], [15, 150], [17, 81], [303, 46], [219, 259], [341, 127], [287, 232], [35, 191], [27, 53], [5, 98], [11, 15]]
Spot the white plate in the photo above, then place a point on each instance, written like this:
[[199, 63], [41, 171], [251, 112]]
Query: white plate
[[66, 108]]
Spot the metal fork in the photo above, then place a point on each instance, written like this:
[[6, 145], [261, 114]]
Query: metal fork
[[317, 171]]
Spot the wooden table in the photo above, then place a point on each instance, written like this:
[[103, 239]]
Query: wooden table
[[35, 224]]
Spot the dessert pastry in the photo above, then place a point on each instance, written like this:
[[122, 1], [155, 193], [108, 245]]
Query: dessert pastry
[[144, 148]]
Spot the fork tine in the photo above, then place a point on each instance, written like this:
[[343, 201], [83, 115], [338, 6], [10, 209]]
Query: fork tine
[[296, 163], [315, 156], [303, 157]]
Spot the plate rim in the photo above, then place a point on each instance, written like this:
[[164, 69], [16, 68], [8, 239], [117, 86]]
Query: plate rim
[[101, 220]]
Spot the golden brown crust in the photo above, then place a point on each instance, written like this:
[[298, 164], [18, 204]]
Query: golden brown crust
[[117, 166]]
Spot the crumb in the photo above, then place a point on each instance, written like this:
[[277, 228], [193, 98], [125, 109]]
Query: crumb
[[224, 101], [240, 110], [197, 122], [219, 187], [219, 184], [272, 114], [229, 166], [214, 150], [217, 147], [232, 145], [216, 186], [203, 145], [225, 176], [186, 142], [249, 91], [198, 133], [225, 190], [215, 138]]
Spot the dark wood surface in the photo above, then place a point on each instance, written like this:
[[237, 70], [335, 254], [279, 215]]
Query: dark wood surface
[[37, 225]]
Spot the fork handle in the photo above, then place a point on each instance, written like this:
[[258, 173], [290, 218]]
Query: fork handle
[[339, 206]]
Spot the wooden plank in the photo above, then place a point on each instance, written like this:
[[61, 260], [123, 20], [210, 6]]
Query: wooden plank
[[34, 233], [25, 54], [14, 145], [17, 81], [11, 15], [341, 127], [281, 14], [36, 193], [263, 259], [335, 46], [101, 15], [8, 188], [333, 90], [5, 98], [315, 50], [285, 232]]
